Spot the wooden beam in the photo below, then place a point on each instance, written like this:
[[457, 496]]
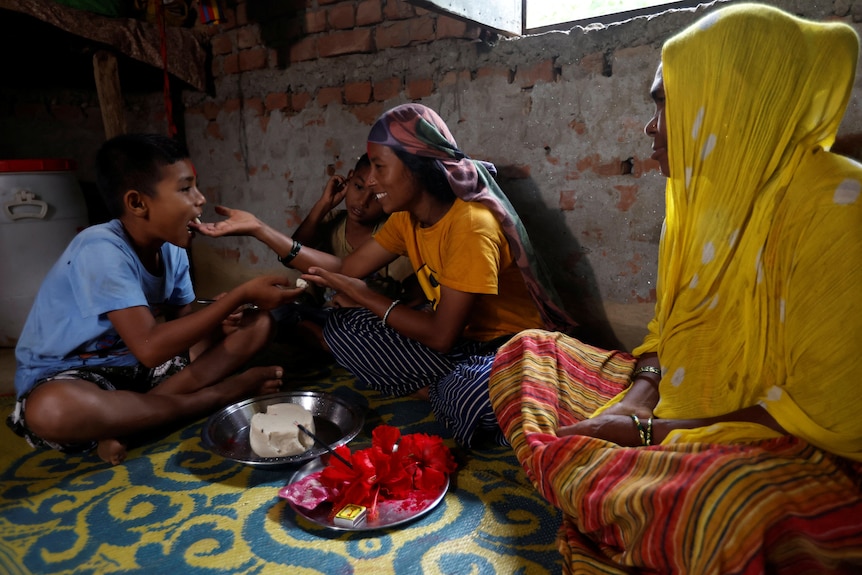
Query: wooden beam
[[110, 97]]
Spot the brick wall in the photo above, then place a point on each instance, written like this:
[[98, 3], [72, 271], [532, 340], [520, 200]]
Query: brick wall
[[296, 85]]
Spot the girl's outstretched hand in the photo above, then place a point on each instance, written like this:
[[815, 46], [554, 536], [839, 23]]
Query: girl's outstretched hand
[[238, 223], [345, 285]]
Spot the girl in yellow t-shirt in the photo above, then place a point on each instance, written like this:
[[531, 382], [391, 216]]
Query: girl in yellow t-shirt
[[470, 253]]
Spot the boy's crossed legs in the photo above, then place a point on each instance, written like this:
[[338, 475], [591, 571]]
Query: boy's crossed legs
[[77, 411]]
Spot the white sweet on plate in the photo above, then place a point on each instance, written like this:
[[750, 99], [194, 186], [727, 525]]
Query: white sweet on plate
[[301, 283], [274, 433]]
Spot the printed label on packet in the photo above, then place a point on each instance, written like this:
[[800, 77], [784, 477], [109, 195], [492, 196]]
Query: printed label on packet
[[350, 515]]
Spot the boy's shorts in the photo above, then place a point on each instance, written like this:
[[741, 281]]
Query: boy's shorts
[[137, 378]]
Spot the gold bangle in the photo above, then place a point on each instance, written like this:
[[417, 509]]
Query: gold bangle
[[649, 432], [646, 369], [641, 432]]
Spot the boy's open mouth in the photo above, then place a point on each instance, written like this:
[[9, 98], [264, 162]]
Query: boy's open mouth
[[196, 220]]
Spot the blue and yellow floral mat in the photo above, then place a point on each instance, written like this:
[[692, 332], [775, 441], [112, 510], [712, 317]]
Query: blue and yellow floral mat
[[174, 507]]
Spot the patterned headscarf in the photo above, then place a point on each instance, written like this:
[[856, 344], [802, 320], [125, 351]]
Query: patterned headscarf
[[418, 130], [759, 275]]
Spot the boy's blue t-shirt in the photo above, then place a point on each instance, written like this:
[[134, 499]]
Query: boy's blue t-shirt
[[98, 272]]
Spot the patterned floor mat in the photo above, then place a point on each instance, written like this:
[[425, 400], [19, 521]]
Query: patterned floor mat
[[174, 507]]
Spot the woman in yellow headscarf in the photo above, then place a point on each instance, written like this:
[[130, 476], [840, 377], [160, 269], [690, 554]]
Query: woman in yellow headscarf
[[730, 441]]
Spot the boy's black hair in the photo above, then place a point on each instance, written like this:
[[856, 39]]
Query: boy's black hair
[[429, 172], [134, 162], [362, 162]]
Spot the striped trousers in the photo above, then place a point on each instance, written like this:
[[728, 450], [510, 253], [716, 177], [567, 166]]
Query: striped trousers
[[384, 360]]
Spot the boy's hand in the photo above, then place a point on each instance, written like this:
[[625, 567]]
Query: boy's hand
[[238, 223], [270, 292], [333, 194]]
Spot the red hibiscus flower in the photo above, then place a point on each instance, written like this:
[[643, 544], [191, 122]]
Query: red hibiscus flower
[[432, 461], [395, 467]]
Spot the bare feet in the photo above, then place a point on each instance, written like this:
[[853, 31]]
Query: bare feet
[[253, 381], [421, 394], [112, 451]]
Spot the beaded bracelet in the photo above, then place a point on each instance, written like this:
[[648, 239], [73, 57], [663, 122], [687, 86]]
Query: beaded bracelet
[[389, 310], [294, 251], [646, 369]]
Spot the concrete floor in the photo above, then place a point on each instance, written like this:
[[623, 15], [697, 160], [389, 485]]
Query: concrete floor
[[7, 370]]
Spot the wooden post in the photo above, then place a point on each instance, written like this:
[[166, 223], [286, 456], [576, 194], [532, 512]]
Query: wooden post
[[110, 97]]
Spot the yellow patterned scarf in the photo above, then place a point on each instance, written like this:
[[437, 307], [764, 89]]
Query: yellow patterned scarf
[[760, 262]]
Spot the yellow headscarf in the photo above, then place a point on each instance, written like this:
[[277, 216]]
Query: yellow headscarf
[[760, 261]]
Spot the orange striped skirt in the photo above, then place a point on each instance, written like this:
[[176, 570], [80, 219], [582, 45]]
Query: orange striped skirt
[[776, 506]]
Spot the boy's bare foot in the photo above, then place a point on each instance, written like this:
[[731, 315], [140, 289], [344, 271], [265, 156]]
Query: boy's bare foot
[[253, 381], [421, 394], [112, 451]]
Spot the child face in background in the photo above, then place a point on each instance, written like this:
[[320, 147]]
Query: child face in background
[[362, 206]]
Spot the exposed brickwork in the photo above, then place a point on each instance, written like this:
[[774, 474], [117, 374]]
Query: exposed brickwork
[[398, 10], [418, 89], [299, 101], [230, 64], [241, 14], [453, 28], [492, 73], [453, 78], [342, 16], [305, 49], [386, 89], [405, 32], [315, 21], [369, 12], [255, 105], [330, 95], [276, 101], [567, 200], [254, 59], [368, 113], [247, 37], [221, 44], [628, 196], [357, 93], [345, 42], [542, 72], [211, 110]]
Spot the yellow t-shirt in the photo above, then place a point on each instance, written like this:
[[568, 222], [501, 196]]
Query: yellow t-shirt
[[466, 251]]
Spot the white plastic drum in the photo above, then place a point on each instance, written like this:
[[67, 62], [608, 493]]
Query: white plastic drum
[[41, 209]]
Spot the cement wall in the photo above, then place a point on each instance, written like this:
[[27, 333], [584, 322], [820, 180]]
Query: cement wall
[[298, 84]]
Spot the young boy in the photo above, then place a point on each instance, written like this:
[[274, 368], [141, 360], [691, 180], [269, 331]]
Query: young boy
[[110, 350], [340, 232]]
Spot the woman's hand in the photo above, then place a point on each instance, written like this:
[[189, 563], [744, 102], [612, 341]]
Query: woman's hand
[[341, 300], [619, 429], [238, 223], [627, 408], [347, 287]]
